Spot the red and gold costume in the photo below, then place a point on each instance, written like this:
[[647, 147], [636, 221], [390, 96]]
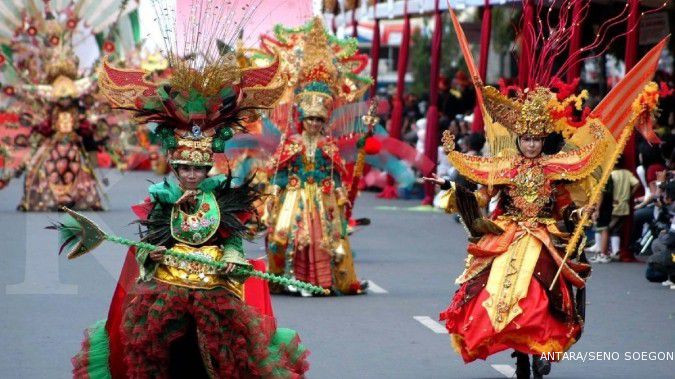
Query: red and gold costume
[[509, 297]]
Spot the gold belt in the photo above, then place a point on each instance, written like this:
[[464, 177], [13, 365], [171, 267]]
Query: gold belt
[[196, 275]]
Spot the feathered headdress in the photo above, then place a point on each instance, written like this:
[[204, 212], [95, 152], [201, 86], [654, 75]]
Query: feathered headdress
[[207, 96], [543, 103], [38, 58]]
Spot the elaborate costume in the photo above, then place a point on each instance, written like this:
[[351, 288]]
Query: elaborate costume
[[307, 237], [510, 294], [184, 317], [43, 85]]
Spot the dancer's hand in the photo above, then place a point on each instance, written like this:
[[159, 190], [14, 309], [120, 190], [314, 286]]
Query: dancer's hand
[[434, 179], [158, 254], [188, 197]]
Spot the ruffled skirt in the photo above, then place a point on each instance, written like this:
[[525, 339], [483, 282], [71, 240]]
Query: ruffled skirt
[[534, 331], [233, 339]]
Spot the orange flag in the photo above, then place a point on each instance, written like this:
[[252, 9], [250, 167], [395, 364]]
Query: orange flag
[[614, 110]]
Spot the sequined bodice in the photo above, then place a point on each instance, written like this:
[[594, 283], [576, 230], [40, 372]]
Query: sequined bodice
[[530, 193]]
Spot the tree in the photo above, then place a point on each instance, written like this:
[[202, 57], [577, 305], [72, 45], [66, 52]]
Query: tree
[[420, 61]]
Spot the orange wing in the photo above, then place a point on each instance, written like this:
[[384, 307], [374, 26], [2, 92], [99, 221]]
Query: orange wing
[[483, 170]]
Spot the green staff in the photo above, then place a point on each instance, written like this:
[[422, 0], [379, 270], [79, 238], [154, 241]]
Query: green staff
[[80, 235]]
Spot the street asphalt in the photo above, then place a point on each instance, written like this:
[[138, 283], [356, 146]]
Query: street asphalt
[[410, 255]]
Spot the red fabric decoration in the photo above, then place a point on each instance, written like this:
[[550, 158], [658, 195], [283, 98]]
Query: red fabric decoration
[[257, 291]]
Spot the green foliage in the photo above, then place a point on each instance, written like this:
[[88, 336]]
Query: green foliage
[[503, 34], [420, 61]]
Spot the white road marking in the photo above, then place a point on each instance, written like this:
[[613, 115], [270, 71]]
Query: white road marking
[[374, 288], [506, 370], [431, 324]]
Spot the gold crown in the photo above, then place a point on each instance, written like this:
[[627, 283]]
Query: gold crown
[[529, 114], [315, 104], [64, 86], [317, 64], [193, 147], [62, 62]]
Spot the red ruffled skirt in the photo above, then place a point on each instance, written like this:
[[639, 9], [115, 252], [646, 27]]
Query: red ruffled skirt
[[534, 331], [235, 340], [172, 331]]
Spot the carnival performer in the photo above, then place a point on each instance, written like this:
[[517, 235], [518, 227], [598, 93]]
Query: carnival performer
[[307, 236], [42, 83], [183, 317], [520, 288]]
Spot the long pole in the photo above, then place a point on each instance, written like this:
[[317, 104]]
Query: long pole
[[595, 196], [431, 138], [625, 254]]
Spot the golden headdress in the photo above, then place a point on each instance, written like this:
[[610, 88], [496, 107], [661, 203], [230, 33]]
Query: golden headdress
[[535, 112], [207, 97], [321, 69]]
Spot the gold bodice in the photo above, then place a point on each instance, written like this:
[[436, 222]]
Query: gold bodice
[[193, 274]]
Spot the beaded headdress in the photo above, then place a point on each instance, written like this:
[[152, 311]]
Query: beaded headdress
[[207, 97], [38, 58], [320, 69], [542, 103]]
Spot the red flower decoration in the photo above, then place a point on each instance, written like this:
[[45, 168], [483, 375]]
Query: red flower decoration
[[206, 207], [2, 59], [71, 23], [54, 40], [9, 91], [31, 31], [372, 146], [325, 186], [109, 47]]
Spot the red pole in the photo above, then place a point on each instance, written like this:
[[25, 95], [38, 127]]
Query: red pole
[[575, 44], [485, 33], [526, 40], [355, 32], [431, 139], [375, 53], [629, 152], [396, 122]]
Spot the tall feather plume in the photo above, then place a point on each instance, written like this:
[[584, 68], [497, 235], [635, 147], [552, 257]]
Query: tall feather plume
[[550, 35]]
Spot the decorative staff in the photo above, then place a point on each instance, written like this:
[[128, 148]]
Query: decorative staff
[[370, 119], [642, 107], [79, 235]]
